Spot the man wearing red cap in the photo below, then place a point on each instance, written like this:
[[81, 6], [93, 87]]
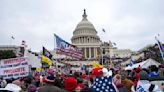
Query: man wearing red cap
[[70, 84], [97, 72]]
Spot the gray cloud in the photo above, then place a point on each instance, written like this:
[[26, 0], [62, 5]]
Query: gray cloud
[[130, 23]]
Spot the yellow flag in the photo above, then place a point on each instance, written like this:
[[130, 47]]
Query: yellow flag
[[96, 65], [38, 68], [47, 60]]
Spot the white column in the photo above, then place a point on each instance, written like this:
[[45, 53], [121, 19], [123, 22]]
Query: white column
[[82, 40], [89, 52], [77, 40], [85, 39], [85, 53], [95, 52]]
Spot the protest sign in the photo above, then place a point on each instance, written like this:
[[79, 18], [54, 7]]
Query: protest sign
[[14, 67]]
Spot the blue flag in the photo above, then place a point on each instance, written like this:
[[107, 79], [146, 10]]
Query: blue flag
[[131, 62], [161, 47]]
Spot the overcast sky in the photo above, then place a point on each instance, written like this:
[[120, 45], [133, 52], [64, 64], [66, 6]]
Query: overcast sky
[[131, 24]]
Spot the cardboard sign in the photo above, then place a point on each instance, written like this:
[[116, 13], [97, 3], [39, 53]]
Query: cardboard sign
[[14, 68]]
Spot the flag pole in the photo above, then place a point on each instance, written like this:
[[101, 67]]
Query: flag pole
[[159, 48], [101, 58]]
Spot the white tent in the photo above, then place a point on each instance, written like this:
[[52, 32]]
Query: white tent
[[144, 64]]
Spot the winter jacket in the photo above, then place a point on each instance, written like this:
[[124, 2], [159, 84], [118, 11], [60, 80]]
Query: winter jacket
[[127, 83]]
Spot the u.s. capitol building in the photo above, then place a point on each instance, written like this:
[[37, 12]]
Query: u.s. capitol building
[[85, 37]]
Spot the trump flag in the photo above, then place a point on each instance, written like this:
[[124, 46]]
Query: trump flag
[[67, 49]]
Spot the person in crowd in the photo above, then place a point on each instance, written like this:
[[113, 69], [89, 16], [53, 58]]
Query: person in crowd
[[87, 90], [91, 80], [26, 81], [32, 88], [58, 82], [17, 82], [153, 71], [50, 78], [162, 86], [12, 87], [86, 82], [126, 82], [49, 88], [144, 85], [37, 79], [154, 74], [119, 84], [79, 87], [136, 75], [131, 74], [103, 81], [3, 82], [70, 84]]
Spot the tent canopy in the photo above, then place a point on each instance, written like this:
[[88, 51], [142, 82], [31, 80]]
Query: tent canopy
[[144, 64]]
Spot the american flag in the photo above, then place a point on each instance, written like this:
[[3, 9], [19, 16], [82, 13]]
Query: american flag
[[103, 84], [67, 49]]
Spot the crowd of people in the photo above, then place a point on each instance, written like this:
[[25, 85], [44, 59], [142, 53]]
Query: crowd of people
[[97, 80]]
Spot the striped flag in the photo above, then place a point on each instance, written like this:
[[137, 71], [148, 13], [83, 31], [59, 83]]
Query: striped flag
[[67, 49]]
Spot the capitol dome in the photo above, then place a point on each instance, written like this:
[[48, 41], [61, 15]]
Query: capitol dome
[[85, 32], [85, 24], [85, 37]]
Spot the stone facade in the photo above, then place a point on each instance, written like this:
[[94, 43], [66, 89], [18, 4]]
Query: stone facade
[[15, 49], [120, 53]]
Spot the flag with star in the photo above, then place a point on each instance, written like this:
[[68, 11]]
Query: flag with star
[[103, 84]]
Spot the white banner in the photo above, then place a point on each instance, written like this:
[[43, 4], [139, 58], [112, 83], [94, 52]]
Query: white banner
[[33, 60], [15, 67]]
